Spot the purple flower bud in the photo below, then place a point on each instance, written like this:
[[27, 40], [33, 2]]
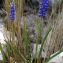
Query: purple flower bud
[[12, 11], [43, 8]]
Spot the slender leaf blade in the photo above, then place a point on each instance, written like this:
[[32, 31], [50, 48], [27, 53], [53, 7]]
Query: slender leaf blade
[[43, 41]]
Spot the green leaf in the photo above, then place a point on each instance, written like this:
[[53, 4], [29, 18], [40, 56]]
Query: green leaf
[[9, 51], [27, 43], [18, 53], [39, 27], [4, 58], [43, 41], [21, 56], [54, 56]]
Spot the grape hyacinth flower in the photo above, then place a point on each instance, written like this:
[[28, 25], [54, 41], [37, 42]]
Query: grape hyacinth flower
[[12, 11], [43, 8]]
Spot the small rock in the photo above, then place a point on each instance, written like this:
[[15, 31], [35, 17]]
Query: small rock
[[2, 13], [43, 54]]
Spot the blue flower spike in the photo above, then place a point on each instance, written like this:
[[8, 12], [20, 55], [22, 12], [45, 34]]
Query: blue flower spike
[[12, 11], [43, 8]]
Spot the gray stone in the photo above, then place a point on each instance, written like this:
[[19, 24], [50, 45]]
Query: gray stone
[[2, 13]]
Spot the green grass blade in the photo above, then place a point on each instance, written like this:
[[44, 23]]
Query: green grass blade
[[21, 56], [18, 53], [53, 56], [4, 58], [39, 27], [9, 51], [27, 43], [43, 41]]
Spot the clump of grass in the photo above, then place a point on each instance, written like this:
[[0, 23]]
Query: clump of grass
[[20, 51]]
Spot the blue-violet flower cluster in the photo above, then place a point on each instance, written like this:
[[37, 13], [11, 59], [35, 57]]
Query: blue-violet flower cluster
[[43, 8], [12, 11]]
